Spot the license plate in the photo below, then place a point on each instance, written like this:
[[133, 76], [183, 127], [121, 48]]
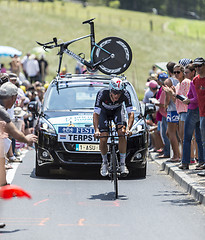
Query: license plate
[[87, 147]]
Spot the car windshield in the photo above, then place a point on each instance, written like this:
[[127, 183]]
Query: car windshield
[[72, 97], [78, 96]]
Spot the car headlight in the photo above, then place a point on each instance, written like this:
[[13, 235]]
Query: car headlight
[[137, 128], [47, 126]]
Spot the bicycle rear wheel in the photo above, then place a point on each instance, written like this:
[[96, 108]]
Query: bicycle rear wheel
[[114, 167], [121, 55]]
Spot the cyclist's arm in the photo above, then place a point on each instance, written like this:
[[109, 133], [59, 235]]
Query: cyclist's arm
[[130, 120], [96, 121], [129, 109], [96, 114]]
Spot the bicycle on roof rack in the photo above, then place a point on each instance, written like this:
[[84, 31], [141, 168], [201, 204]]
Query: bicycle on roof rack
[[112, 55]]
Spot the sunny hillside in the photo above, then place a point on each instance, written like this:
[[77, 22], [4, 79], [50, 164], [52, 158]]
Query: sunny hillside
[[23, 23]]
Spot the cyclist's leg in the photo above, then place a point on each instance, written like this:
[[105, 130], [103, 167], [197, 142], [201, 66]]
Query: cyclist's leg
[[121, 126], [120, 121], [103, 127]]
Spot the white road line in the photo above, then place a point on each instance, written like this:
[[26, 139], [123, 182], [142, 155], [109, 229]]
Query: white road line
[[10, 173]]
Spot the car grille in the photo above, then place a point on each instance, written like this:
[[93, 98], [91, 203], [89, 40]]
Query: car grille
[[79, 158]]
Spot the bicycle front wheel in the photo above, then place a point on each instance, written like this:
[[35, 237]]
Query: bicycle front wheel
[[114, 167], [120, 55]]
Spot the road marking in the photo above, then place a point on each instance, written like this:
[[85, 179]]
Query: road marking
[[81, 223], [37, 203], [42, 223], [10, 173], [25, 221]]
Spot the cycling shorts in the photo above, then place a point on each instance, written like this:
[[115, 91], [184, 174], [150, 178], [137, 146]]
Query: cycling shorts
[[172, 116], [117, 115]]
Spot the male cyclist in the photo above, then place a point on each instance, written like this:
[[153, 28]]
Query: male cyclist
[[109, 105]]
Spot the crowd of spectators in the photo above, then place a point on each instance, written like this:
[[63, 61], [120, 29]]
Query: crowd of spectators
[[19, 113], [29, 67], [179, 121]]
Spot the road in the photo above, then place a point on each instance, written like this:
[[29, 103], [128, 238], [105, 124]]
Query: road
[[81, 207]]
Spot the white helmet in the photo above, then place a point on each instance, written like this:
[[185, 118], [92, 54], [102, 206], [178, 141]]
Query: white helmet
[[116, 85]]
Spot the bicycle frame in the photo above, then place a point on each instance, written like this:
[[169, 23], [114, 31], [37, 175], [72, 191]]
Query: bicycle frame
[[91, 65], [112, 55]]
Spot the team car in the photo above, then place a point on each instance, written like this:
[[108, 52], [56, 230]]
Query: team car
[[65, 126]]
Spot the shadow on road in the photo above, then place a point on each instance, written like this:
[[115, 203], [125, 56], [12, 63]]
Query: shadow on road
[[11, 231], [107, 197]]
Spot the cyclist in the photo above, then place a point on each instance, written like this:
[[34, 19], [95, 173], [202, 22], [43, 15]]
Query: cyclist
[[109, 105]]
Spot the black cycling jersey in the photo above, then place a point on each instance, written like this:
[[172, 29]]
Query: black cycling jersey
[[103, 101]]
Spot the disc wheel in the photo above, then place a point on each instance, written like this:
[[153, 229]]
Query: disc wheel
[[121, 55]]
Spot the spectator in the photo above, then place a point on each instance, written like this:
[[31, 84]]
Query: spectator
[[24, 64], [151, 91], [185, 61], [156, 140], [162, 115], [32, 69], [153, 70], [63, 72], [43, 67], [192, 123], [199, 83], [182, 89], [3, 69], [78, 68], [172, 115], [15, 65], [8, 95], [12, 153], [46, 85], [3, 136]]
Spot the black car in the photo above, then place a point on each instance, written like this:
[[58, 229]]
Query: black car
[[65, 126]]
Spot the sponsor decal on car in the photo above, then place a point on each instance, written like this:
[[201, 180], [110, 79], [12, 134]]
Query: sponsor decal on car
[[76, 134]]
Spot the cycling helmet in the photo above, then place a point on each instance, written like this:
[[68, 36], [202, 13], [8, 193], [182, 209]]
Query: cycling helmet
[[116, 85]]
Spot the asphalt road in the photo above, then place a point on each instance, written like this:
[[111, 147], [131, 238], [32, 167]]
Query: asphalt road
[[80, 206]]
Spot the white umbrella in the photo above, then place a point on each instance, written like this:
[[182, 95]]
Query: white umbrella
[[6, 51]]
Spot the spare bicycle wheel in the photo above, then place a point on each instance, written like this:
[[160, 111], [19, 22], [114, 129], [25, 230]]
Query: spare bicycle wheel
[[121, 55]]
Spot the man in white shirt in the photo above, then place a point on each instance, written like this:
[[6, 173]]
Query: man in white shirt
[[32, 69]]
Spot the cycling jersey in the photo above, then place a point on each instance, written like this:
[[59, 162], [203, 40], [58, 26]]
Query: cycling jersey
[[103, 101], [107, 109]]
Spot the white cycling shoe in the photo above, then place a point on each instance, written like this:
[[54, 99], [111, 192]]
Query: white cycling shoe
[[104, 170], [123, 170]]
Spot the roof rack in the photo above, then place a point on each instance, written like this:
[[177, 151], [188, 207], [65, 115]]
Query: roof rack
[[84, 77], [88, 76]]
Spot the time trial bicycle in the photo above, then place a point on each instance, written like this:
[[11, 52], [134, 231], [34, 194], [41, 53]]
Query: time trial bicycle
[[112, 55], [113, 153]]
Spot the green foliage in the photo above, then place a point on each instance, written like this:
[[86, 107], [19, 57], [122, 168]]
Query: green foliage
[[114, 4]]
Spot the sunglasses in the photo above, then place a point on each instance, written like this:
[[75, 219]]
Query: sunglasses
[[116, 92], [198, 66], [177, 72]]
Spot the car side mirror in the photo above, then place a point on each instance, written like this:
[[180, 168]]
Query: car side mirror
[[33, 107]]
